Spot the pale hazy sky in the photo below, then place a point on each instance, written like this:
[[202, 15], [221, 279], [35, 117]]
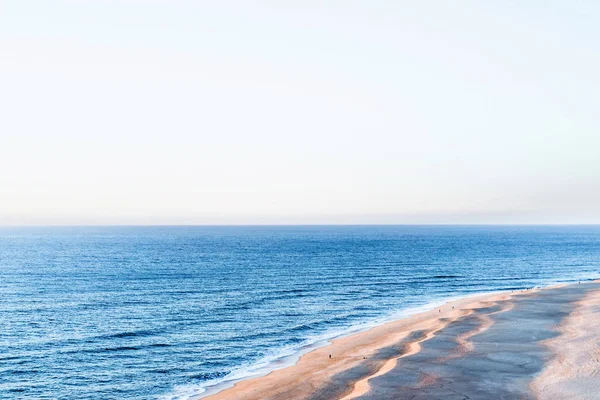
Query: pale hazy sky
[[131, 111]]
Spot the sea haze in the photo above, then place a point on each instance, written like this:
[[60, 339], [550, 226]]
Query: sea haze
[[167, 312]]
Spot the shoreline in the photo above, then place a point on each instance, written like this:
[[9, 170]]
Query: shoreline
[[286, 361], [314, 369]]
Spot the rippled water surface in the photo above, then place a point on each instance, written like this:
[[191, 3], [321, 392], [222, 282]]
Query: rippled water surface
[[164, 312]]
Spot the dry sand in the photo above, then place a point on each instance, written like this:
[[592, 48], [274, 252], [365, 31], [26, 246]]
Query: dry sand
[[573, 372]]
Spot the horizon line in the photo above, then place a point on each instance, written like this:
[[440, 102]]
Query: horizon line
[[287, 225]]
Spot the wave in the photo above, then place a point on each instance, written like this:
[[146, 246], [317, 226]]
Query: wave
[[121, 348]]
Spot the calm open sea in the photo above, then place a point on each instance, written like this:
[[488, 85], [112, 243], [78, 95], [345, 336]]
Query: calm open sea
[[166, 312]]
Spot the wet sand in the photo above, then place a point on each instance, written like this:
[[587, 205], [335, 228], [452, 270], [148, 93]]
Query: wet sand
[[513, 345]]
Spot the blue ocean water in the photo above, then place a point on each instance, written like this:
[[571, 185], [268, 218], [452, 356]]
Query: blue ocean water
[[166, 312]]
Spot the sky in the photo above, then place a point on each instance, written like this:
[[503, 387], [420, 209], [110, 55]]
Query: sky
[[299, 112]]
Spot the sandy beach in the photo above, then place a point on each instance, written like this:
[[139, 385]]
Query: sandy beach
[[520, 344]]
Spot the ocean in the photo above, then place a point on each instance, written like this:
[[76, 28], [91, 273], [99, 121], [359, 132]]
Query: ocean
[[176, 312]]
